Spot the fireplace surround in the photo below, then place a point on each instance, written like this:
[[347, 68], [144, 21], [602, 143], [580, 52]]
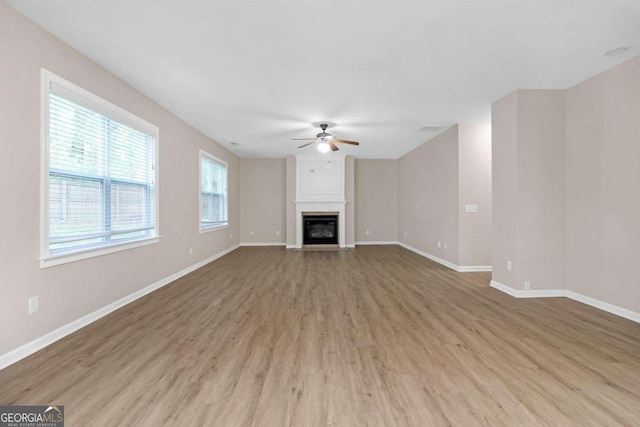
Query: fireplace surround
[[320, 189]]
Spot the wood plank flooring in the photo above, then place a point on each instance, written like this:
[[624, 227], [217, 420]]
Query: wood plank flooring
[[376, 336]]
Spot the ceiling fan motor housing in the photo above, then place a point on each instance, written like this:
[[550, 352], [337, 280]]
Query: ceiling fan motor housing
[[324, 133]]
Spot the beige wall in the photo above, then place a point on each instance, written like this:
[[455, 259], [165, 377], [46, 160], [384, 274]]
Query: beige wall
[[528, 189], [504, 137], [540, 238], [428, 196], [350, 197], [474, 180], [602, 186], [263, 200], [291, 198], [376, 185], [435, 182], [70, 291], [571, 220]]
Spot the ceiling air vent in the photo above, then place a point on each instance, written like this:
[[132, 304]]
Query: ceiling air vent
[[617, 51]]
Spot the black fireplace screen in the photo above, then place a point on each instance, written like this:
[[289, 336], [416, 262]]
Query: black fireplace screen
[[320, 230]]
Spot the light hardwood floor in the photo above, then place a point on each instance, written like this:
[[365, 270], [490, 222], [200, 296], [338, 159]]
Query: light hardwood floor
[[376, 336]]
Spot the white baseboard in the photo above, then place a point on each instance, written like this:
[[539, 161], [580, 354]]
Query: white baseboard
[[263, 244], [550, 293], [384, 242], [431, 257], [458, 268], [31, 347], [290, 246], [474, 268], [535, 293], [610, 308], [504, 288]]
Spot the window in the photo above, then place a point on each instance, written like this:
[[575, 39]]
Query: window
[[213, 192], [99, 177]]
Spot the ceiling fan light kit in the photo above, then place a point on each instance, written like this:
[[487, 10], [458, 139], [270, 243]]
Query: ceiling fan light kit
[[325, 140], [324, 147]]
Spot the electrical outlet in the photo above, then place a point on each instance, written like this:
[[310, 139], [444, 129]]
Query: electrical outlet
[[439, 244], [251, 234], [34, 305], [405, 234], [230, 236], [190, 250], [277, 232], [508, 265], [527, 285], [445, 246], [366, 232]]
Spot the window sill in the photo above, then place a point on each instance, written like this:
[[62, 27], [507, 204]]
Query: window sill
[[208, 229], [54, 260]]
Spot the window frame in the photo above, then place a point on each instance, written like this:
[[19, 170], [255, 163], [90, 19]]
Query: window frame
[[77, 94], [205, 154]]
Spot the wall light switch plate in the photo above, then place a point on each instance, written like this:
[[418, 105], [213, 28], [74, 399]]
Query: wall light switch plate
[[471, 208]]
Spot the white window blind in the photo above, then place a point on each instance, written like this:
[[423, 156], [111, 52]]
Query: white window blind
[[213, 192], [101, 173]]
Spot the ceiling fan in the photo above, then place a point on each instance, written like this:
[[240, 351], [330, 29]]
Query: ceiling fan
[[325, 140]]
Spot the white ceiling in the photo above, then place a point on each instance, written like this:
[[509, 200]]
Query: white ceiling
[[261, 72]]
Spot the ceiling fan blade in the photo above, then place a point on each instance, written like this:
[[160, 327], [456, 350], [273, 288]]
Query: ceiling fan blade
[[333, 146], [303, 139], [304, 145], [344, 141]]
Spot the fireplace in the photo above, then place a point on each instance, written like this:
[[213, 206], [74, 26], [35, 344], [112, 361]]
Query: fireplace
[[319, 192], [320, 229]]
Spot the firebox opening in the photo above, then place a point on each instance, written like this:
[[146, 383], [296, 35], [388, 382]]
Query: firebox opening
[[320, 229]]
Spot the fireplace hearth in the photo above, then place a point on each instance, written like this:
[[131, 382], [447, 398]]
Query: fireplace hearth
[[320, 229]]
